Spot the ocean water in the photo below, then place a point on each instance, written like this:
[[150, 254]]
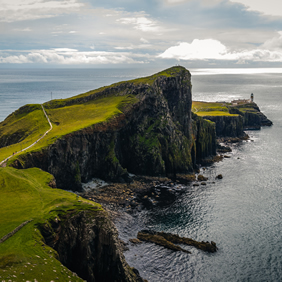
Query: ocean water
[[241, 212]]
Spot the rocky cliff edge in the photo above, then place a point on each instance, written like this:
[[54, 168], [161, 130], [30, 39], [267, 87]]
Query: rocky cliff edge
[[155, 135]]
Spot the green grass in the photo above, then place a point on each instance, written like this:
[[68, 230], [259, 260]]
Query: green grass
[[24, 127], [69, 115], [170, 72], [79, 99], [210, 109], [25, 195], [64, 120]]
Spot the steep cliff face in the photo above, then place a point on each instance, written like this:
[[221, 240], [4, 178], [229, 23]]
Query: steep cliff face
[[153, 136], [231, 126], [205, 138], [252, 116], [231, 120], [87, 243]]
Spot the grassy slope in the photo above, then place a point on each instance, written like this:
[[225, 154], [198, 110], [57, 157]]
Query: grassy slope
[[64, 120], [25, 195], [210, 109], [26, 125], [29, 122]]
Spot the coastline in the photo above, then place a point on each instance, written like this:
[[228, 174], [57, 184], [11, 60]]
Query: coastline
[[147, 192]]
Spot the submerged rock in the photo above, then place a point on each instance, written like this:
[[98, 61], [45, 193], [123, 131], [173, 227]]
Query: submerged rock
[[219, 176]]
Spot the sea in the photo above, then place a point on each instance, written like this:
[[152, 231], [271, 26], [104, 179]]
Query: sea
[[241, 212]]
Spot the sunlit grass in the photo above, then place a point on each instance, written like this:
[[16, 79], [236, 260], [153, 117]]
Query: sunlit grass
[[64, 120], [211, 109], [24, 127], [25, 195]]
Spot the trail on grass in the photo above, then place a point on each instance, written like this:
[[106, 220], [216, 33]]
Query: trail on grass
[[51, 127], [14, 231]]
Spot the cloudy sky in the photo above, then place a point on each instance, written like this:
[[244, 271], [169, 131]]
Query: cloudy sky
[[196, 33]]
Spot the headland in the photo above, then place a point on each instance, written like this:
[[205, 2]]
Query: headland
[[137, 135]]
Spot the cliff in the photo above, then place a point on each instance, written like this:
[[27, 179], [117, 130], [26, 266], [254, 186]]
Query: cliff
[[231, 126], [231, 120], [205, 138], [152, 134], [55, 232], [87, 243], [252, 116]]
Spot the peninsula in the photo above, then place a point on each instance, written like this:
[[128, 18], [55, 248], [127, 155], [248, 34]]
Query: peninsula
[[147, 126]]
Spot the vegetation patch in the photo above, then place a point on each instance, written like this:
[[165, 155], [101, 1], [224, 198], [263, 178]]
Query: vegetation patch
[[65, 120], [21, 129], [25, 195], [170, 72], [211, 109]]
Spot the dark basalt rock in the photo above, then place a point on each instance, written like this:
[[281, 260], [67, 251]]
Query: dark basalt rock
[[168, 240], [202, 178], [155, 136], [223, 149], [219, 176], [87, 243], [232, 126]]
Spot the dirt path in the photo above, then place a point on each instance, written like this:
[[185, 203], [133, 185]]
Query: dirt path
[[3, 163]]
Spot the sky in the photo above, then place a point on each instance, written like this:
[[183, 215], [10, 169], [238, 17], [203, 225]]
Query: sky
[[102, 33]]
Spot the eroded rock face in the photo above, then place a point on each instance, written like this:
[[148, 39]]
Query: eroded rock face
[[231, 126], [154, 136], [87, 243]]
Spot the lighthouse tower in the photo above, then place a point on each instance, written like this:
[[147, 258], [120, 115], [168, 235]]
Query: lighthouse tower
[[252, 98]]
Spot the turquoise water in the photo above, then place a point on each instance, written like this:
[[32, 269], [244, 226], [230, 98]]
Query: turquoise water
[[241, 212]]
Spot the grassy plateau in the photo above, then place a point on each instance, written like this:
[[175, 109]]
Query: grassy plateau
[[210, 109]]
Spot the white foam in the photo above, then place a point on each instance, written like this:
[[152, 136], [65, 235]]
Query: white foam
[[94, 184]]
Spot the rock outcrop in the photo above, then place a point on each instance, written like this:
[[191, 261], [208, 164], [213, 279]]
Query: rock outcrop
[[231, 126], [205, 139], [252, 116], [87, 243], [245, 116], [154, 136], [169, 240]]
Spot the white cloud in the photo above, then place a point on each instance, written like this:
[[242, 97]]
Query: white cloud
[[143, 40], [72, 57], [213, 49], [132, 47], [204, 2], [274, 43], [20, 10], [198, 49], [141, 23], [269, 7]]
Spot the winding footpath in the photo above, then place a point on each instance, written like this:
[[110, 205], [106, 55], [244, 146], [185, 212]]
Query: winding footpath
[[3, 239], [51, 127]]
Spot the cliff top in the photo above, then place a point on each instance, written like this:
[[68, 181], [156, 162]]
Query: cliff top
[[211, 109], [25, 126], [25, 196]]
